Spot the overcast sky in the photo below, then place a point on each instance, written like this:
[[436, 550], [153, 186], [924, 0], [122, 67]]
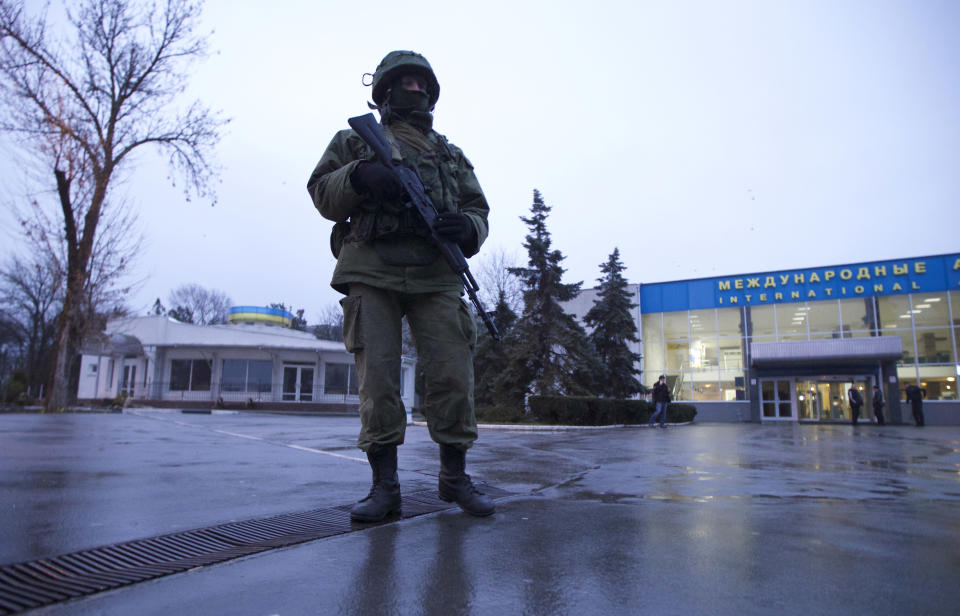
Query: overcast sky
[[701, 138]]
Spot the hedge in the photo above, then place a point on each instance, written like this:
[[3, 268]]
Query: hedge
[[584, 411], [501, 415]]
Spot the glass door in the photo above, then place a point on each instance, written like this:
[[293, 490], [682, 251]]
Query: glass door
[[808, 401], [128, 383], [298, 383], [776, 400], [827, 398]]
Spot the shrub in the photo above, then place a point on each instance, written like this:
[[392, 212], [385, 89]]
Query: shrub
[[501, 415], [585, 411]]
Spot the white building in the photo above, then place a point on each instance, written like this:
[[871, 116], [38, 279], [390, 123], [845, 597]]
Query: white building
[[165, 362]]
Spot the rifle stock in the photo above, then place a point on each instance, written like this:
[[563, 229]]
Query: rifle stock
[[367, 127]]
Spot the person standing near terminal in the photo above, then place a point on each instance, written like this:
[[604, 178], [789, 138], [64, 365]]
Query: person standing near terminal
[[856, 402], [389, 268], [878, 404], [915, 396], [661, 398]]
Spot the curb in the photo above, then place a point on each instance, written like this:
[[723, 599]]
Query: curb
[[537, 428]]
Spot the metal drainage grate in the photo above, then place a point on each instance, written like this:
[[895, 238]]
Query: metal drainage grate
[[41, 582]]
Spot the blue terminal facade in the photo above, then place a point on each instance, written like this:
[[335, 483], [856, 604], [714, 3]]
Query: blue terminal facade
[[788, 345]]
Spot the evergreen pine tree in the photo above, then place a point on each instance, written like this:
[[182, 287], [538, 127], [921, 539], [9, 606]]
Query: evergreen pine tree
[[613, 328], [548, 351], [491, 359]]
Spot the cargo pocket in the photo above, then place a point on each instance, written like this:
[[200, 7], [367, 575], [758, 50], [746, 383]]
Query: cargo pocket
[[352, 332], [468, 325]]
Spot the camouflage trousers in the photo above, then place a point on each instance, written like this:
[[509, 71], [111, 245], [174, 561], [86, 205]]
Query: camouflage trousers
[[445, 335]]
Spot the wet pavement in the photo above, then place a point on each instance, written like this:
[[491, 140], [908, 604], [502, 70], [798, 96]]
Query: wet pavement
[[704, 518]]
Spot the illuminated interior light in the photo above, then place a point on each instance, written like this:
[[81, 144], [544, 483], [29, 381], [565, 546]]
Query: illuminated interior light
[[923, 305], [915, 311], [933, 299], [904, 316], [950, 379], [924, 384]]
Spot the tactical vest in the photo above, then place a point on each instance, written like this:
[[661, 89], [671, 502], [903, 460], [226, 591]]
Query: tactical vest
[[396, 232]]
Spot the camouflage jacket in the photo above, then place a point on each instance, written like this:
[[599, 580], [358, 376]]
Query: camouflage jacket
[[386, 245]]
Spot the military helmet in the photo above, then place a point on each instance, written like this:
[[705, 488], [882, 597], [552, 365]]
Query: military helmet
[[397, 63]]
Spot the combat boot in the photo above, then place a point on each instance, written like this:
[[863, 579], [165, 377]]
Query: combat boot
[[384, 496], [455, 484]]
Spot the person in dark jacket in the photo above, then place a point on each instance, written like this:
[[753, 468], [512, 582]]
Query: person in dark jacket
[[915, 396], [878, 404], [661, 398], [856, 402]]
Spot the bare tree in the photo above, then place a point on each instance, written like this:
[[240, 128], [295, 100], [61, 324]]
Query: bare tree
[[82, 101], [32, 285], [205, 306], [32, 290], [493, 275], [330, 324]]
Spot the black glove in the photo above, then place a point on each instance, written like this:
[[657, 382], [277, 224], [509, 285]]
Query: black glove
[[376, 180], [455, 227]]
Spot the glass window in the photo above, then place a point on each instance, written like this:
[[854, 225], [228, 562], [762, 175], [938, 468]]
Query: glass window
[[730, 322], [353, 388], [732, 385], [703, 353], [730, 354], [675, 325], [260, 376], [651, 327], [703, 323], [678, 354], [762, 321], [939, 381], [704, 385], [679, 386], [247, 375], [179, 375], [906, 340], [906, 375], [824, 316], [934, 346], [190, 374], [894, 311], [653, 356], [955, 307], [201, 370], [335, 378], [857, 315], [825, 335], [792, 321], [930, 310], [234, 375]]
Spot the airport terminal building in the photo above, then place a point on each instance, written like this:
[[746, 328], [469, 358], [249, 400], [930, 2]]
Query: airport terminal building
[[787, 345]]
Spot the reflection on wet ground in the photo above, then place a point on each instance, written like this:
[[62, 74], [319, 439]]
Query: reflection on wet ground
[[718, 518]]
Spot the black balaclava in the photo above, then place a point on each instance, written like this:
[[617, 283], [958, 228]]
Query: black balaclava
[[411, 106]]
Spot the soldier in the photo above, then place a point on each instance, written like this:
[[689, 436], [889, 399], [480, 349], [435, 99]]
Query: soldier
[[388, 268]]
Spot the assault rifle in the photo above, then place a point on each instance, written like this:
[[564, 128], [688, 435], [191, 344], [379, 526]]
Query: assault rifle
[[415, 198]]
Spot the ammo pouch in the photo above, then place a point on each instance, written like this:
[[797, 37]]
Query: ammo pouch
[[338, 234], [397, 234], [406, 250]]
